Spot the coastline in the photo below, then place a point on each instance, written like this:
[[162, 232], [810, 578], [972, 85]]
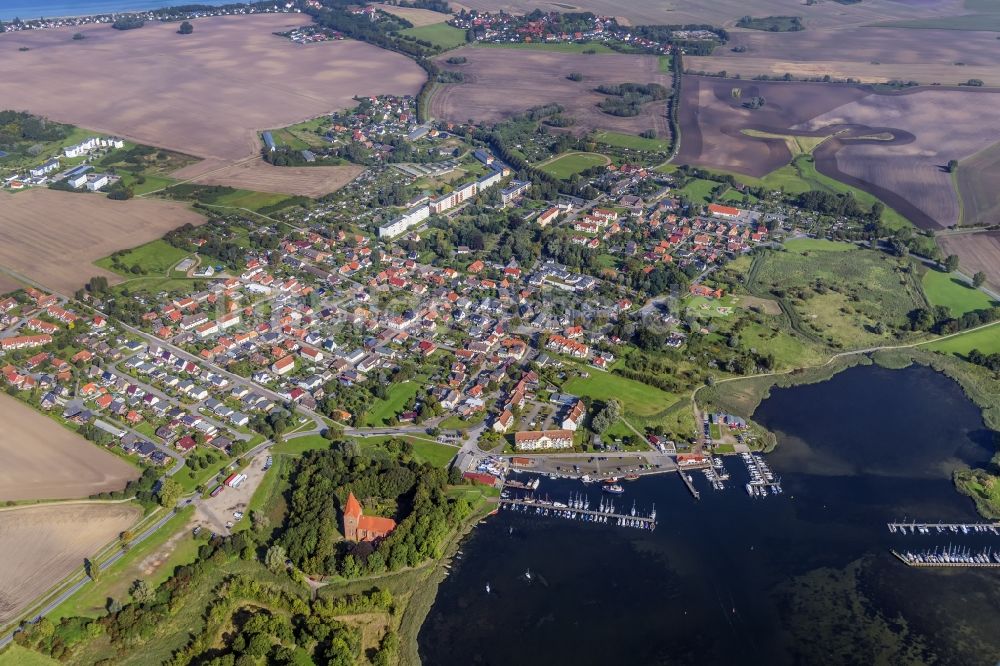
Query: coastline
[[95, 9], [743, 396]]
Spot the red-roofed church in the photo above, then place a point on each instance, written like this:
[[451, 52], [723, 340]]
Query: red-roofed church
[[359, 527]]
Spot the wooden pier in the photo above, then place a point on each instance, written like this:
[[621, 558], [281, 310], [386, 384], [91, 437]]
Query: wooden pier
[[577, 514], [686, 478], [942, 528]]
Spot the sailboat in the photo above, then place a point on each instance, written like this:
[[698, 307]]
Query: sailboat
[[487, 588], [527, 574]]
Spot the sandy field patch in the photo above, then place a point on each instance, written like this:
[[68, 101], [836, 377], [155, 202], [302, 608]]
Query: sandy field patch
[[868, 54], [40, 459], [41, 545], [825, 13], [976, 252], [258, 175], [54, 237], [502, 82], [213, 513], [418, 17], [767, 305], [205, 94]]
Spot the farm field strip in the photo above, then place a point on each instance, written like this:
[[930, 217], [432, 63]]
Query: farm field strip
[[206, 100], [55, 237]]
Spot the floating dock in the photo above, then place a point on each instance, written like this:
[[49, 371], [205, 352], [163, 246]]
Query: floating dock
[[941, 528], [950, 558], [560, 510]]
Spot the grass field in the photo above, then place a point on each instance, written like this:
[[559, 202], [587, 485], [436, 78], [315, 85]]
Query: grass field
[[558, 47], [439, 34], [631, 141], [699, 191], [818, 245], [797, 145], [252, 200], [15, 655], [845, 299], [154, 257], [571, 164], [398, 395], [944, 289], [438, 455], [986, 340], [150, 184], [300, 445], [637, 398], [137, 563]]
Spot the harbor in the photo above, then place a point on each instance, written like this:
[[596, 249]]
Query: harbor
[[941, 528], [951, 556]]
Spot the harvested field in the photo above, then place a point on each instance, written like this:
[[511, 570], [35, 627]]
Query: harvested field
[[41, 545], [500, 83], [978, 181], [727, 12], [976, 252], [205, 94], [932, 126], [54, 237], [712, 120], [418, 17], [40, 459], [258, 175], [867, 54], [894, 146]]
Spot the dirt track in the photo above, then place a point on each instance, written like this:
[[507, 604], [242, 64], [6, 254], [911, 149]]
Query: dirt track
[[39, 459], [204, 94], [54, 237], [41, 545]]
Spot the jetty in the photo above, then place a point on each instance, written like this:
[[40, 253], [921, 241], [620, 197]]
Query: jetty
[[914, 527], [689, 482], [950, 557]]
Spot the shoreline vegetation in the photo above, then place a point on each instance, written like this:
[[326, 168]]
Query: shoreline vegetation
[[743, 395]]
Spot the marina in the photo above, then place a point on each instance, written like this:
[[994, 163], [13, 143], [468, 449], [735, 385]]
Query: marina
[[762, 479], [941, 528], [951, 556], [578, 507]]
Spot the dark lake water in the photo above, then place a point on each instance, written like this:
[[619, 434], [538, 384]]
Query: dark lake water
[[801, 578]]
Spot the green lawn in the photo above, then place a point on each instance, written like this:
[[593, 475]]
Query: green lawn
[[300, 445], [636, 397], [247, 199], [571, 164], [665, 63], [945, 289], [986, 340], [398, 395], [818, 245], [699, 191], [438, 455], [560, 47], [15, 655], [115, 580], [631, 141], [156, 257], [151, 183], [439, 34]]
